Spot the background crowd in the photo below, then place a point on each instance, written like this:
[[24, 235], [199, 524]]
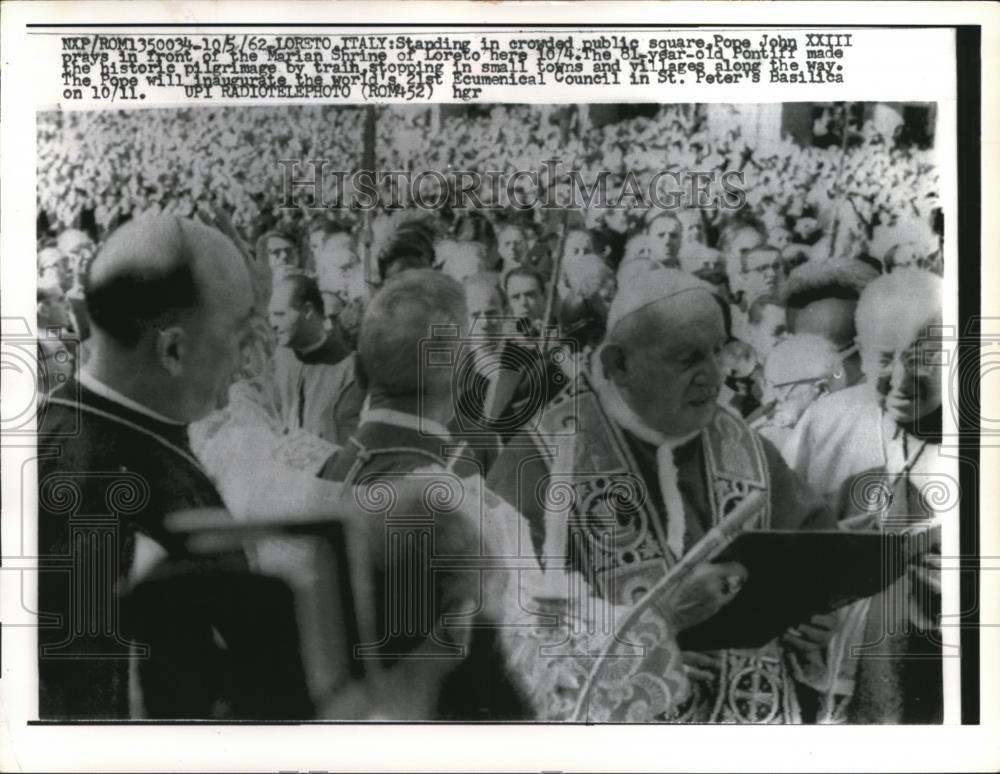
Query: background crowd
[[872, 198], [789, 267]]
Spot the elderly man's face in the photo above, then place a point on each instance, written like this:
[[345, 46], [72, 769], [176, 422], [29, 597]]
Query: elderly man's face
[[667, 235], [906, 371], [672, 373]]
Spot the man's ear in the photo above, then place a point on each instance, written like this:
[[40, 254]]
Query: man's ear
[[822, 387], [613, 362], [171, 347]]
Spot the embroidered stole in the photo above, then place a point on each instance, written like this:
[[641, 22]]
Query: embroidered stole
[[619, 540]]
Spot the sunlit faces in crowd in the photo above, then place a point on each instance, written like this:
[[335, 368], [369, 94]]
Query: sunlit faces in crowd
[[666, 234], [512, 245], [763, 270], [767, 324], [735, 241], [525, 292]]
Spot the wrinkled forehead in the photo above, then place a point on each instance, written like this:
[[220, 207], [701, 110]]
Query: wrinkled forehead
[[905, 339]]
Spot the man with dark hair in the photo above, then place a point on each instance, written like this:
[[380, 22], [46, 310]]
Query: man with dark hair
[[821, 296], [525, 291], [667, 234], [314, 377], [411, 247], [170, 304]]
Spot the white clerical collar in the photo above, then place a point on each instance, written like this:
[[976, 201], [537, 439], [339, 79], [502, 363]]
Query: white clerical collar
[[100, 388], [403, 419]]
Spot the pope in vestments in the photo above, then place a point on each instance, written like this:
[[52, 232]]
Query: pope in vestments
[[635, 462]]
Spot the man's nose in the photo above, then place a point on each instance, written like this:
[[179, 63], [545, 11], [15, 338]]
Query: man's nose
[[712, 374]]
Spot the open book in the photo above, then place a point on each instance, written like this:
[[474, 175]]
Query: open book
[[795, 574]]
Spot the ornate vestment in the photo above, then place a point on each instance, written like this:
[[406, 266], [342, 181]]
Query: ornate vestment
[[579, 468]]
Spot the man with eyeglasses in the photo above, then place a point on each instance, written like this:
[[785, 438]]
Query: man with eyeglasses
[[798, 372], [821, 297], [763, 271], [873, 451]]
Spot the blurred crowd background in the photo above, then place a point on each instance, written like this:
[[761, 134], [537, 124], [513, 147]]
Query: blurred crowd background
[[845, 191]]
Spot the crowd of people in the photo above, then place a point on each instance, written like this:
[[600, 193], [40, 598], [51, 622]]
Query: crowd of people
[[233, 353]]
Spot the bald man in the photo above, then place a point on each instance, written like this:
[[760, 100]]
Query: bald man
[[874, 450], [170, 302], [639, 451]]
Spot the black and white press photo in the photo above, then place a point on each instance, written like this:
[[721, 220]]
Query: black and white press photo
[[618, 378]]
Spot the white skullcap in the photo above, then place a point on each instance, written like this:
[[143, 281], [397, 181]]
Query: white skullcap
[[641, 289]]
